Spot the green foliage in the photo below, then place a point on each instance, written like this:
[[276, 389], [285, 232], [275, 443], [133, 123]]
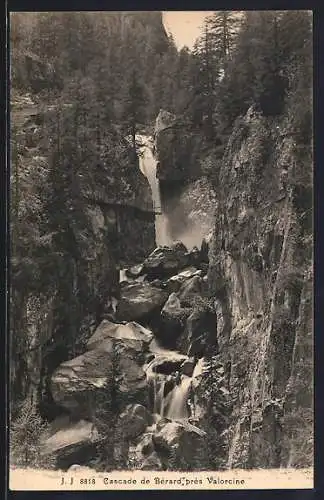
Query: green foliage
[[27, 432]]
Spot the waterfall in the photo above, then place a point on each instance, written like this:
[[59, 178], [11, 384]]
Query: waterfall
[[148, 168], [177, 404], [171, 396]]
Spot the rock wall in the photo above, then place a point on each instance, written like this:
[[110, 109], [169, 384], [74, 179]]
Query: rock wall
[[260, 275], [177, 150]]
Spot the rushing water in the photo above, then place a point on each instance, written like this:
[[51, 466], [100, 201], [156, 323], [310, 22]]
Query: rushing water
[[148, 168], [172, 395], [178, 400]]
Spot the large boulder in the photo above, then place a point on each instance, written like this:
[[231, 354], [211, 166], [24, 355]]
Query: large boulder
[[75, 383], [166, 261], [133, 421], [73, 443], [203, 322], [173, 318], [190, 289], [174, 283], [139, 301], [132, 334], [187, 367], [180, 444]]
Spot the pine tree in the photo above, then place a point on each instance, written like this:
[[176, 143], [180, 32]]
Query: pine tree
[[223, 26], [105, 407], [134, 105]]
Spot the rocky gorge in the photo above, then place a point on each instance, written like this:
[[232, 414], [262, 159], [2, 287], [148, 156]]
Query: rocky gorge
[[162, 266], [187, 326]]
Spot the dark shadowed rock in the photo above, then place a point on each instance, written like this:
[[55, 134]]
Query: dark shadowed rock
[[188, 366], [133, 421], [165, 261], [71, 444], [135, 271], [173, 317], [203, 322], [139, 300], [152, 462], [180, 443]]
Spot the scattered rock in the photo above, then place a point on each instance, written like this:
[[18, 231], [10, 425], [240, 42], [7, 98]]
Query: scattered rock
[[141, 448], [139, 300], [173, 317], [174, 283], [191, 288]]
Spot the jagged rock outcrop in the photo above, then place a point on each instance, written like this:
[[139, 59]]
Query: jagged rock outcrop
[[175, 149]]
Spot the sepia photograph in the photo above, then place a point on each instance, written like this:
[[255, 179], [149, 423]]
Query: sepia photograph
[[160, 325]]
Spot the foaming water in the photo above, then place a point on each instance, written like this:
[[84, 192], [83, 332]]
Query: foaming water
[[177, 401], [147, 164]]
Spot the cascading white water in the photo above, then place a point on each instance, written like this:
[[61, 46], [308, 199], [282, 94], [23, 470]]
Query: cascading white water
[[174, 404], [177, 401], [148, 168], [122, 275]]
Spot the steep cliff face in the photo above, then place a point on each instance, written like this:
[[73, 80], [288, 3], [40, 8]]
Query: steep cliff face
[[177, 150], [261, 277]]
